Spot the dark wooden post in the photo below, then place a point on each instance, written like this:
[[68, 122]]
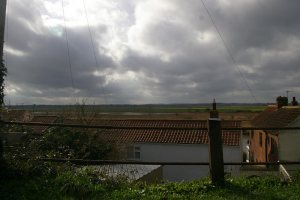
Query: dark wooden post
[[2, 25], [2, 28], [216, 162]]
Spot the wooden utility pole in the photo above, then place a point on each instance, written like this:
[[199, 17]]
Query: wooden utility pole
[[2, 31], [216, 162], [2, 25]]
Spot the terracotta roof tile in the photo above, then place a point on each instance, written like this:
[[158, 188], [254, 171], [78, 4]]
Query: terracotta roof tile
[[157, 123], [17, 115], [276, 117], [42, 119], [231, 138]]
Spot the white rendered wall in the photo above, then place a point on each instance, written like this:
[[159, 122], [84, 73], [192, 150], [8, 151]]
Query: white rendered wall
[[289, 143], [187, 153], [289, 146]]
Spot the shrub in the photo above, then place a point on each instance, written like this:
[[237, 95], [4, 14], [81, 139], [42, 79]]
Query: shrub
[[67, 143], [23, 160]]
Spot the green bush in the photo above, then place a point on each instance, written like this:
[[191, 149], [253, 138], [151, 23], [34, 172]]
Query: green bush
[[61, 143], [24, 160], [67, 143]]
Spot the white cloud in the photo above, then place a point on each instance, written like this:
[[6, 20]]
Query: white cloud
[[151, 50], [14, 52]]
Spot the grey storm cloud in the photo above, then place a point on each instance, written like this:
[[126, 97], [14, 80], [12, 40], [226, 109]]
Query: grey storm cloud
[[152, 51]]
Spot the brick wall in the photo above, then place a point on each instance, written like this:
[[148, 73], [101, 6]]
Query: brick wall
[[261, 148], [257, 146]]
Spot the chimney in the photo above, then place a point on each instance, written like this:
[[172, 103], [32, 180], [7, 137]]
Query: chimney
[[214, 113], [281, 101], [294, 102]]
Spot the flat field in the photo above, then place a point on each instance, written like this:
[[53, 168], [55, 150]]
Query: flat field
[[150, 111]]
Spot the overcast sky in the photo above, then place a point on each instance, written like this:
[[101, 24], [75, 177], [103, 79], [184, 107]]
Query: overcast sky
[[151, 51]]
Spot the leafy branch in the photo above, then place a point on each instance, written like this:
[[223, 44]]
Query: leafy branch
[[3, 73]]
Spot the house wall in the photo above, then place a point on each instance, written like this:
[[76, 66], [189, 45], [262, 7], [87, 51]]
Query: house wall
[[289, 143], [257, 147], [272, 147], [263, 149], [187, 153], [289, 146]]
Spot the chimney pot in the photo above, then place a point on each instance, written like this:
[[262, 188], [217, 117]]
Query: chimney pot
[[214, 113], [281, 101], [294, 102], [214, 105]]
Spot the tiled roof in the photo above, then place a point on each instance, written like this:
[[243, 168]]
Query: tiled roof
[[157, 123], [231, 138], [17, 115], [42, 119], [276, 117]]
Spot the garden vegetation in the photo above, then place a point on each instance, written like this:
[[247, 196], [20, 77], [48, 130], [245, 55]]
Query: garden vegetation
[[24, 176]]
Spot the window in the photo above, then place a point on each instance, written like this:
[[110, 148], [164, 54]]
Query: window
[[260, 139], [133, 152]]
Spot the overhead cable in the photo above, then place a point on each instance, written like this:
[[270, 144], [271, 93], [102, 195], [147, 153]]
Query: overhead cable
[[68, 47], [93, 45], [229, 52]]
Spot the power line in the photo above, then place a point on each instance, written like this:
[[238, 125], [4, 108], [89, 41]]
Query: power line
[[115, 127], [90, 33], [229, 52], [93, 45], [68, 48]]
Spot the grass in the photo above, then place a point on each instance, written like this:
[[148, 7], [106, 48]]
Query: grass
[[85, 185]]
